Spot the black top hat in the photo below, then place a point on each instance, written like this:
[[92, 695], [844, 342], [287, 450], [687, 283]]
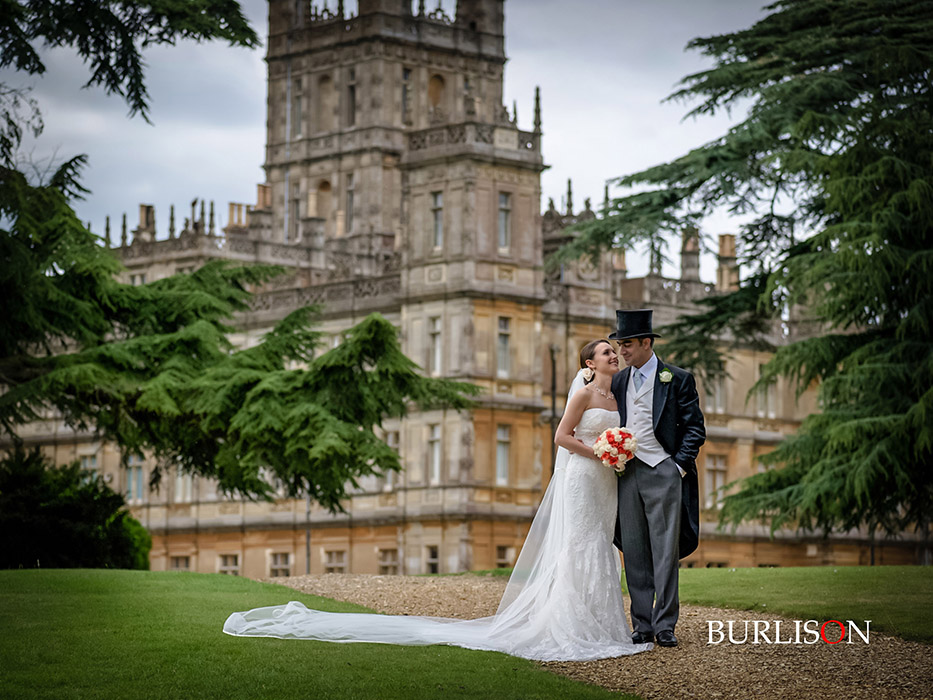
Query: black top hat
[[633, 324]]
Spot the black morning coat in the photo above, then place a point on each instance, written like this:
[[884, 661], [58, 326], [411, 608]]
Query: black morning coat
[[679, 428]]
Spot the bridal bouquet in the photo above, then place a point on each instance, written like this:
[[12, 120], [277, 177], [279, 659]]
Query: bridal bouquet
[[615, 447]]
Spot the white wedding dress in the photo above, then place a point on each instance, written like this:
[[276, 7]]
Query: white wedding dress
[[563, 601]]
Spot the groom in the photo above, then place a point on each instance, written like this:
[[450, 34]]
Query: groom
[[658, 519]]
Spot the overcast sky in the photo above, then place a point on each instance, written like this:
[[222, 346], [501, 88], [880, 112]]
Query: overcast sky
[[604, 67]]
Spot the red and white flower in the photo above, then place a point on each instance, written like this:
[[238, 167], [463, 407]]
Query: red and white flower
[[615, 447]]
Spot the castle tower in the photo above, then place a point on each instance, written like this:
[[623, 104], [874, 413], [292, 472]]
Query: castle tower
[[397, 183], [345, 93], [386, 131]]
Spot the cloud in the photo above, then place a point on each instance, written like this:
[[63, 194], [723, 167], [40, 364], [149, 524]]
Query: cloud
[[603, 67]]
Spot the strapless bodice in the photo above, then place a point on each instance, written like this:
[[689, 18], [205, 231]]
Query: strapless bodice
[[593, 422]]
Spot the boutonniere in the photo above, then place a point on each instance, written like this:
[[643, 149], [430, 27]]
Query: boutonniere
[[665, 376]]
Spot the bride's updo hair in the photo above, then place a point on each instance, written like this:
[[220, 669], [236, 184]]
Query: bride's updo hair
[[588, 352]]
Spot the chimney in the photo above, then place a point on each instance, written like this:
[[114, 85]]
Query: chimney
[[263, 197], [618, 261], [145, 230], [237, 219], [727, 273], [690, 255]]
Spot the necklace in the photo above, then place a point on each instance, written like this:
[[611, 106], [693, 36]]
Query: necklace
[[603, 393]]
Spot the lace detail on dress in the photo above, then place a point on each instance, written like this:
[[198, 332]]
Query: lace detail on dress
[[564, 598], [591, 501], [593, 422]]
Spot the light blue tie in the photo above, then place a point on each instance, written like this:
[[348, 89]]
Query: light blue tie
[[639, 379]]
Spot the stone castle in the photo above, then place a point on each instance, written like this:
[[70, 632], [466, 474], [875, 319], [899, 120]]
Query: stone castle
[[396, 182]]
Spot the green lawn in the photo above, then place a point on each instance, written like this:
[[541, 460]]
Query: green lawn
[[138, 634], [897, 599]]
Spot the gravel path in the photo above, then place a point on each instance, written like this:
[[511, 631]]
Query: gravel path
[[886, 668]]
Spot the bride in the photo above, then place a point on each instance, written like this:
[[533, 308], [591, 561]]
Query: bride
[[563, 601]]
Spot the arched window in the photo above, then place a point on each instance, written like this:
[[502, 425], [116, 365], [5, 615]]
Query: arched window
[[324, 200], [436, 91]]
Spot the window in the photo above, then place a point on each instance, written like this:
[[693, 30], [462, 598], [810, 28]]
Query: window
[[134, 479], [437, 215], [180, 563], [766, 398], [436, 86], [326, 103], [89, 466], [323, 200], [230, 564], [432, 563], [502, 455], [137, 280], [406, 96], [387, 482], [503, 347], [434, 345], [292, 232], [716, 390], [388, 562], [350, 203], [184, 486], [280, 564], [296, 115], [335, 562], [715, 480], [505, 221], [434, 453], [504, 557], [351, 98]]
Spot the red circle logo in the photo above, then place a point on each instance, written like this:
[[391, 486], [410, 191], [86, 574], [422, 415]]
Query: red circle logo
[[841, 629]]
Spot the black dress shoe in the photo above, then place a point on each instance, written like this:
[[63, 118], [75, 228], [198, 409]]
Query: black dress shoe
[[642, 637], [667, 639]]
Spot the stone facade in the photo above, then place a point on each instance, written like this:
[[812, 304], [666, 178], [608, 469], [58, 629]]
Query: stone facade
[[397, 183]]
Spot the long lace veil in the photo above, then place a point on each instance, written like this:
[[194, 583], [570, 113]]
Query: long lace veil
[[538, 557], [542, 614]]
